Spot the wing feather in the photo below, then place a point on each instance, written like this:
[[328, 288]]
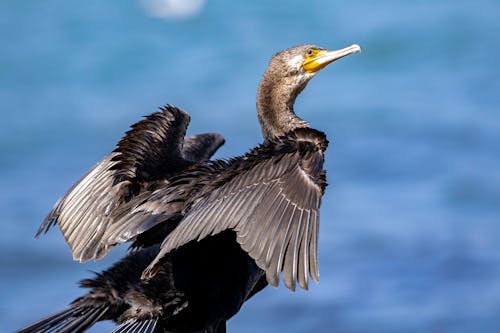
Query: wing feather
[[280, 243], [219, 216], [246, 238], [151, 151], [272, 238], [291, 256], [303, 267], [313, 247], [262, 216], [272, 205]]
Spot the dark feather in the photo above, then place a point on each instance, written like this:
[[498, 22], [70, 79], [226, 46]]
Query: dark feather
[[201, 147], [72, 320], [137, 326], [196, 289], [151, 152], [286, 172], [226, 227], [152, 147]]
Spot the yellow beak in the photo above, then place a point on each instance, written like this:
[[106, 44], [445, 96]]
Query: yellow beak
[[322, 58]]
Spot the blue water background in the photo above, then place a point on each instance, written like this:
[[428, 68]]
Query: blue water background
[[410, 225]]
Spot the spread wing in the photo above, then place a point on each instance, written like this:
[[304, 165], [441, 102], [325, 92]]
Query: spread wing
[[152, 149], [273, 205]]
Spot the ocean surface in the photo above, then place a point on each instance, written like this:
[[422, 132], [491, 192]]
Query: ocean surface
[[410, 224]]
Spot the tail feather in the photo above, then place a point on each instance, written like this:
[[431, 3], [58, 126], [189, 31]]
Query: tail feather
[[51, 322], [84, 321], [70, 320], [137, 326]]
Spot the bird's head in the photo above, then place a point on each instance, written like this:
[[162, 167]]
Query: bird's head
[[304, 61]]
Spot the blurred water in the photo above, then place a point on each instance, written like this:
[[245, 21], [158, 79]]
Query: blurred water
[[410, 234]]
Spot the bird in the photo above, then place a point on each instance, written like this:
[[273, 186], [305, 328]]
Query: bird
[[206, 235]]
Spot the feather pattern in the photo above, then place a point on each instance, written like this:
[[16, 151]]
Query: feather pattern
[[267, 196], [150, 152], [137, 326], [72, 320]]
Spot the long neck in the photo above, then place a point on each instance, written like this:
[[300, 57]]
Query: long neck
[[275, 100]]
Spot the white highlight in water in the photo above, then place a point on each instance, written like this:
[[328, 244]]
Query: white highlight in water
[[172, 8]]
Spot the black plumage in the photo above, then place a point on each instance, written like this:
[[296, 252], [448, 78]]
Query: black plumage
[[191, 292], [270, 197], [207, 234], [152, 151]]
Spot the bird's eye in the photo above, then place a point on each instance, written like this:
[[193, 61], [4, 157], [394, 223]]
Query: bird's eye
[[309, 52]]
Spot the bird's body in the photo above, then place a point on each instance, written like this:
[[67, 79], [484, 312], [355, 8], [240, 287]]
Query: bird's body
[[209, 234]]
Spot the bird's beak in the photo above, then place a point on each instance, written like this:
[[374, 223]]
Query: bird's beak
[[322, 58]]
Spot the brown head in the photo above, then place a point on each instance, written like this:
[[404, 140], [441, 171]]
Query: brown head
[[287, 75]]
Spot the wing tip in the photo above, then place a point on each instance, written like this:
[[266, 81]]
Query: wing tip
[[47, 223], [290, 286], [170, 109], [274, 280]]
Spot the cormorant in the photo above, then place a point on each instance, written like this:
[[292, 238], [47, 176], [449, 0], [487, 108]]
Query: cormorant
[[207, 234]]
